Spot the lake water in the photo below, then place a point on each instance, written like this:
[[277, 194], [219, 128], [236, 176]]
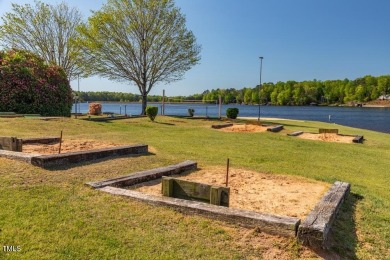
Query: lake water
[[377, 119]]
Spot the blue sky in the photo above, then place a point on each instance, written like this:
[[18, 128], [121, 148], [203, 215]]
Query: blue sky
[[299, 40]]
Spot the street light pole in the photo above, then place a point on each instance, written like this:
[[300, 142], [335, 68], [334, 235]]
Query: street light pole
[[261, 67]]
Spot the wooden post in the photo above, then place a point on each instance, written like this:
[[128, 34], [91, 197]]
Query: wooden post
[[163, 103], [167, 186], [220, 106], [227, 173], [215, 196], [59, 150]]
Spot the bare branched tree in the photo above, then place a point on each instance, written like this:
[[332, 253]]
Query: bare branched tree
[[139, 41], [45, 30]]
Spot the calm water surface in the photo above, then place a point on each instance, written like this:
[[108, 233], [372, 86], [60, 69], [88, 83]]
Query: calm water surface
[[377, 119]]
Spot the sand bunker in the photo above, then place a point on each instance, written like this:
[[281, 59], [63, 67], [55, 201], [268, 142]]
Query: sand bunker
[[328, 137], [66, 146], [266, 193], [249, 128]]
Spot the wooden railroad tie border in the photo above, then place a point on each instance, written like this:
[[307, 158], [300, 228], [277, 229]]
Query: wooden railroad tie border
[[315, 228], [82, 156], [41, 140], [11, 144], [271, 224], [295, 133], [144, 176], [45, 161], [313, 231], [189, 190], [328, 131], [219, 126], [358, 139], [275, 129]]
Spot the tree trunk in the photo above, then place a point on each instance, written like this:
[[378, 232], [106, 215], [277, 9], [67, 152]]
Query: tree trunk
[[144, 103]]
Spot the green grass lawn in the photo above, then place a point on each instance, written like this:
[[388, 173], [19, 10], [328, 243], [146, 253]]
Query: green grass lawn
[[52, 214]]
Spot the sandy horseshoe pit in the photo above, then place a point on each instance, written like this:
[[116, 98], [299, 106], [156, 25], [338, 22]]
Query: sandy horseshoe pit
[[259, 192], [327, 137], [243, 128], [67, 145]]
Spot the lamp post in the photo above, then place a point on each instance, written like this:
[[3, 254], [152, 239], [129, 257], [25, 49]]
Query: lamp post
[[261, 67]]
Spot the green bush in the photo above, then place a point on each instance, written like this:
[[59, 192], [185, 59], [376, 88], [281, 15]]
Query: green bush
[[191, 112], [151, 112], [29, 86], [232, 112]]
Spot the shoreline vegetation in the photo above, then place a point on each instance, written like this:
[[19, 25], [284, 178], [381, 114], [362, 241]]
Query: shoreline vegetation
[[366, 90], [375, 103], [52, 210]]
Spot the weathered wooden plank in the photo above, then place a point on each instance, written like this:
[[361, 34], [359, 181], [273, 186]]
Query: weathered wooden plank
[[219, 126], [275, 129], [187, 189], [10, 144], [190, 190], [219, 196], [76, 157], [143, 176], [41, 140], [272, 224], [167, 186], [328, 131], [358, 139], [315, 228], [295, 133], [20, 156]]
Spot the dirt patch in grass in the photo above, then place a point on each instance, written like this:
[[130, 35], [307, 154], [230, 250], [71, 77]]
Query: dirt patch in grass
[[327, 137], [267, 193], [245, 128], [67, 146]]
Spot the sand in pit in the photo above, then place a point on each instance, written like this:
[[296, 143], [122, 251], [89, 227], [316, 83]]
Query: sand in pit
[[327, 137], [67, 146], [249, 128], [266, 193]]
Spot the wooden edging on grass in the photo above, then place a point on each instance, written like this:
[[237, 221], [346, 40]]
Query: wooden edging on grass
[[219, 126], [314, 230], [328, 131], [41, 140], [82, 156], [275, 129], [272, 224], [358, 139], [144, 176], [295, 133], [24, 157]]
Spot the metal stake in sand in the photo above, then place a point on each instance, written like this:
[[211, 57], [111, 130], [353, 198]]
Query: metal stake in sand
[[227, 172], [59, 150]]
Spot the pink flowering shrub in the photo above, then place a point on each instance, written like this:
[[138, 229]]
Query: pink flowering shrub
[[29, 86]]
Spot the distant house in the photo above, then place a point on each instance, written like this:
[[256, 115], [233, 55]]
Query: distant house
[[384, 97]]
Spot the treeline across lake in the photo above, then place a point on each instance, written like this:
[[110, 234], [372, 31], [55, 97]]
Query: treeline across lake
[[306, 92], [282, 93]]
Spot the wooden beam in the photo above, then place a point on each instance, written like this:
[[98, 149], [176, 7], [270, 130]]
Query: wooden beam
[[295, 133], [143, 176], [358, 139], [328, 131], [315, 228], [275, 129], [189, 190]]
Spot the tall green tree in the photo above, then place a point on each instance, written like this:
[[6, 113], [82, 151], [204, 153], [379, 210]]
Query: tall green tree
[[45, 30], [139, 41]]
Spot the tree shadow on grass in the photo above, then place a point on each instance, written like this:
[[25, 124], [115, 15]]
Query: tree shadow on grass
[[342, 238]]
